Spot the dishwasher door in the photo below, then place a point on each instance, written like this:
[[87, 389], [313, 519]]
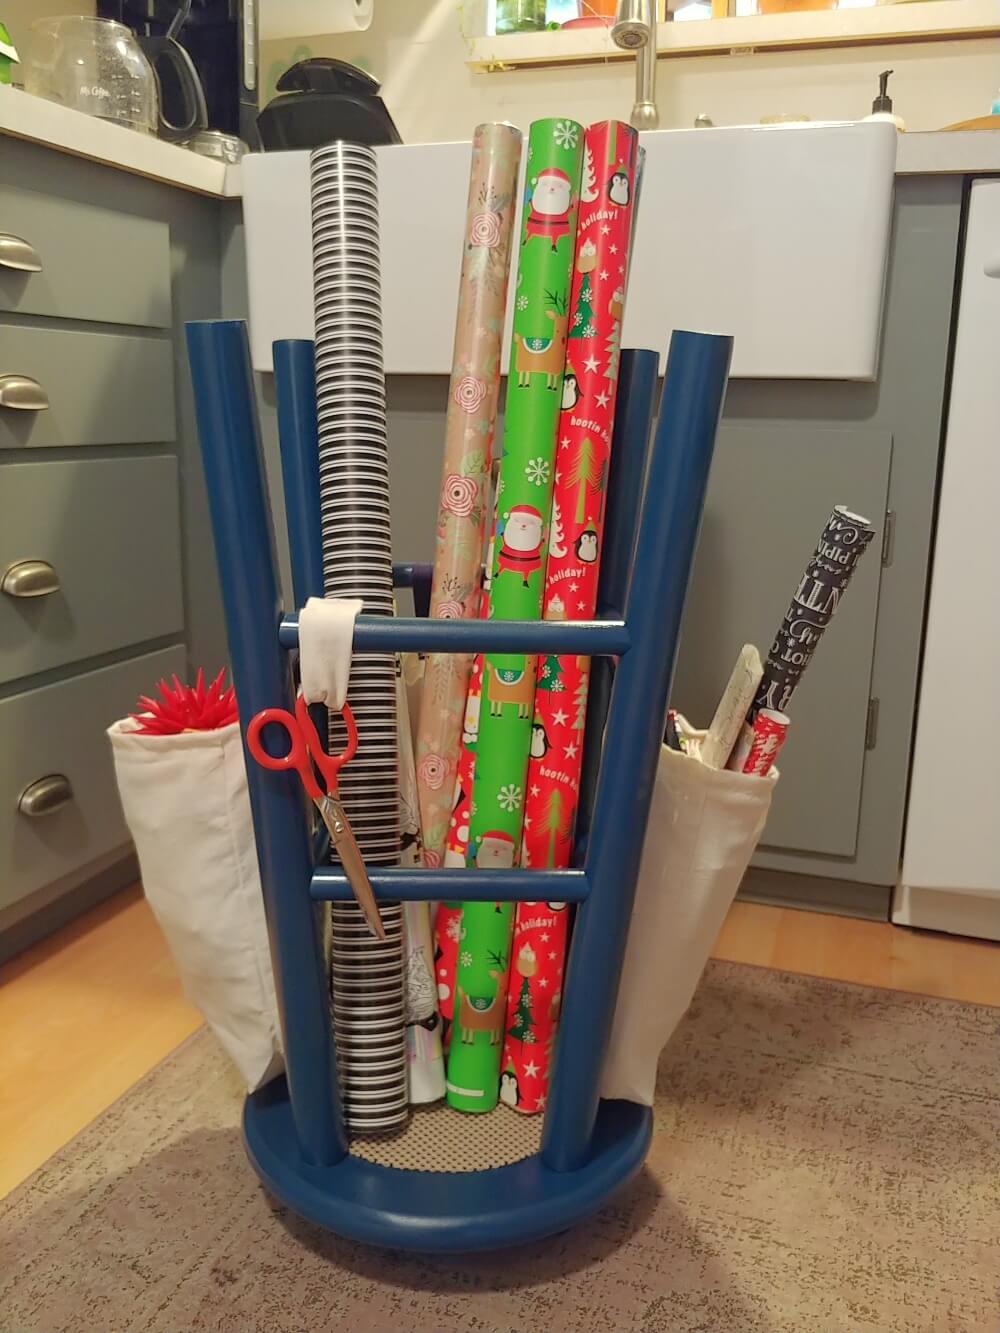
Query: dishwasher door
[[951, 853]]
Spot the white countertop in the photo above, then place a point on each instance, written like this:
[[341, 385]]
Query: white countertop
[[23, 116], [955, 152]]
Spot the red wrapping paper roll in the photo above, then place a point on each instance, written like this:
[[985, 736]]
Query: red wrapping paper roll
[[576, 532], [768, 736]]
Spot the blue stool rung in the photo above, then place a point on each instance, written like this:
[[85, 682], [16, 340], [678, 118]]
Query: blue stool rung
[[404, 884], [400, 634]]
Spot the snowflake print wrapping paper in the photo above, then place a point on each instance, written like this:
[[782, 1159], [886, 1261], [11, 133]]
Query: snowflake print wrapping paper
[[576, 531]]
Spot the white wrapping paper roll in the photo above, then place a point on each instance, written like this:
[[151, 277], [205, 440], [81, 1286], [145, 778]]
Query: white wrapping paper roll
[[306, 18]]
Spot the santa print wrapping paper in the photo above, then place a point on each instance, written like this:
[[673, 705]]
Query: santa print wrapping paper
[[464, 503], [575, 537], [523, 504]]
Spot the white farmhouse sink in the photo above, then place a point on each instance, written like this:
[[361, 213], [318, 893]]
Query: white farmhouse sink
[[777, 234]]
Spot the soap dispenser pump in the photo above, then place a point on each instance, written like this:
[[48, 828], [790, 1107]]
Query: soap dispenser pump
[[882, 105]]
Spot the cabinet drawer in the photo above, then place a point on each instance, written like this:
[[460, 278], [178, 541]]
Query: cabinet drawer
[[111, 532], [96, 263], [59, 730], [103, 388]]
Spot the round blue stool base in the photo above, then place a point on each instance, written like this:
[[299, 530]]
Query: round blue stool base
[[436, 1211]]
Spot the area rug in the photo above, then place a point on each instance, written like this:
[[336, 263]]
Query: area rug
[[825, 1161]]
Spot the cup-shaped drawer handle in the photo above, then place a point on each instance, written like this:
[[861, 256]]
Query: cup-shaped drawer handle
[[22, 393], [45, 796], [15, 252], [29, 578]]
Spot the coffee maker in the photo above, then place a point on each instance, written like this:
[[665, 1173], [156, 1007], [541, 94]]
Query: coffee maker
[[219, 40]]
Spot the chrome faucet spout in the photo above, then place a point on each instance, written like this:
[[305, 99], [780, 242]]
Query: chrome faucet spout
[[634, 29]]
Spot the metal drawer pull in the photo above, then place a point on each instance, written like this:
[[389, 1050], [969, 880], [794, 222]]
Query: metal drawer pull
[[45, 796], [29, 578], [15, 252], [22, 393]]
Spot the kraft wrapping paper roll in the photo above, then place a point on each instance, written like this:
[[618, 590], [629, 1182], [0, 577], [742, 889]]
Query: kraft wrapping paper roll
[[367, 991], [522, 508], [600, 274], [471, 421]]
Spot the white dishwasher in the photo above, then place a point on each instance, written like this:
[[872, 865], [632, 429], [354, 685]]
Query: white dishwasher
[[950, 876]]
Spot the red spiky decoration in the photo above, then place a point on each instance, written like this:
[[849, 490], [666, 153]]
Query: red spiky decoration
[[194, 707]]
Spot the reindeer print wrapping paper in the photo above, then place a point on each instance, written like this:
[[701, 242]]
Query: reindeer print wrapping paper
[[471, 420], [574, 550], [517, 571]]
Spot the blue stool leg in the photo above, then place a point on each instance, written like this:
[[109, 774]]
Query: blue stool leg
[[298, 438], [295, 386], [693, 391], [244, 546]]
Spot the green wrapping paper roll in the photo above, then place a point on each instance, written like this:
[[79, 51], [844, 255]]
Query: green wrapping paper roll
[[517, 568]]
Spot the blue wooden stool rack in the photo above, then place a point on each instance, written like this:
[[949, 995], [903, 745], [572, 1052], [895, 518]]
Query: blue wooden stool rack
[[293, 1128]]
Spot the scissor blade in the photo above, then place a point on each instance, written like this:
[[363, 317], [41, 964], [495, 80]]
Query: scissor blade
[[353, 862]]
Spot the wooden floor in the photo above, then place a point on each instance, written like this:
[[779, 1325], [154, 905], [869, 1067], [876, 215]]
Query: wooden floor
[[89, 1011]]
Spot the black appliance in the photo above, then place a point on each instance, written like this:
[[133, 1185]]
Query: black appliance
[[320, 100], [219, 39]]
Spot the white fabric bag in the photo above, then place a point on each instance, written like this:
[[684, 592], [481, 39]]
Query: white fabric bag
[[704, 824], [188, 809]]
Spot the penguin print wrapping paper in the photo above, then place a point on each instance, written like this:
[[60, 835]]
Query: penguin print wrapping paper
[[576, 532], [491, 837]]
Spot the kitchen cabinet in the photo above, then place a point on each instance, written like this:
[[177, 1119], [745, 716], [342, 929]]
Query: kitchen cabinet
[[101, 485], [754, 539]]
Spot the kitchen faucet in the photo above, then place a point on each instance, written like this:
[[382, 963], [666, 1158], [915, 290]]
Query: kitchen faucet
[[634, 29]]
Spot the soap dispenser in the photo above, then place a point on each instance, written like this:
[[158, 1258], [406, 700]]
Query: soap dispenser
[[882, 105]]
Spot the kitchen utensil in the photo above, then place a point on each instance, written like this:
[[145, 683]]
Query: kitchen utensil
[[95, 66], [320, 100], [215, 144], [182, 98], [220, 37]]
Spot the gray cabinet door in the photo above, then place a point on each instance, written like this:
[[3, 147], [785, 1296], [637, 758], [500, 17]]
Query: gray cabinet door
[[59, 730], [750, 555], [103, 388], [110, 528], [98, 263]]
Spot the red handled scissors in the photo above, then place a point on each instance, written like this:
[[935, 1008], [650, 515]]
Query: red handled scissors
[[306, 755]]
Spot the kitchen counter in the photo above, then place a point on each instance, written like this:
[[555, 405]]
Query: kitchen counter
[[956, 152], [23, 116], [949, 153]]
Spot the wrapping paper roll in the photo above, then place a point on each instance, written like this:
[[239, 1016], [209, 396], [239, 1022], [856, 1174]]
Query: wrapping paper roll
[[842, 543], [448, 919], [425, 1061], [757, 753], [522, 509], [463, 508], [367, 995], [576, 535]]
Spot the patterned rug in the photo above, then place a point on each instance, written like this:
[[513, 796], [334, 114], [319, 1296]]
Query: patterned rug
[[825, 1161]]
